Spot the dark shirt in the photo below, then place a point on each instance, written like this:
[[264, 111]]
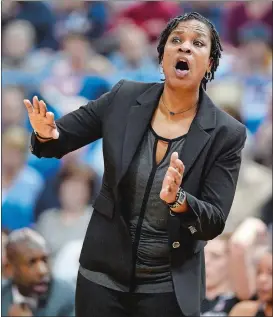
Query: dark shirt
[[147, 223]]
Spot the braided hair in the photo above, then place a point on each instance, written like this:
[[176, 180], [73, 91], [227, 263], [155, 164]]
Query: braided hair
[[216, 47]]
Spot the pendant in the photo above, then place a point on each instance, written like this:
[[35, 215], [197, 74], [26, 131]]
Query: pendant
[[172, 113]]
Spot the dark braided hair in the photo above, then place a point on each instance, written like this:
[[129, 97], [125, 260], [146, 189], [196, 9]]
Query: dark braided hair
[[216, 46]]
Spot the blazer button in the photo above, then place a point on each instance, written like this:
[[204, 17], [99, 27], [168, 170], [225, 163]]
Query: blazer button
[[176, 244]]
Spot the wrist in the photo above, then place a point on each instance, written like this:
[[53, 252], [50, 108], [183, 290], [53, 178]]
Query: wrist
[[179, 205]]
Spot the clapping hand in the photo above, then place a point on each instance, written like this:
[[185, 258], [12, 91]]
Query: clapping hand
[[172, 180], [42, 121]]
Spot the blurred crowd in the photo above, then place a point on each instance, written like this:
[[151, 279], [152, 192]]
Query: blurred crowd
[[69, 52]]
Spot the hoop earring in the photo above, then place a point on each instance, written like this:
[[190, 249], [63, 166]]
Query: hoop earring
[[208, 76]]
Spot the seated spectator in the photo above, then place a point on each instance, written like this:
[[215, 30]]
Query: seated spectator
[[261, 307], [69, 222], [72, 75], [89, 18], [243, 246], [220, 297], [29, 11], [22, 64], [132, 60], [13, 112], [151, 16], [31, 290], [245, 14], [21, 184]]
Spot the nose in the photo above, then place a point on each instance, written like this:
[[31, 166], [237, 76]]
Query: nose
[[185, 48], [42, 268]]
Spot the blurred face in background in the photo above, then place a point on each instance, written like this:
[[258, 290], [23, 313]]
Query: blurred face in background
[[264, 279], [256, 51], [14, 149], [78, 50], [29, 268], [216, 256], [18, 39], [133, 43], [74, 194], [13, 111]]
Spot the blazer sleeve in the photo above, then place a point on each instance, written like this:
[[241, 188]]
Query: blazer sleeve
[[77, 128], [206, 216]]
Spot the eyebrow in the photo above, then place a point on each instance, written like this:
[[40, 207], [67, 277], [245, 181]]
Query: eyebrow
[[200, 33]]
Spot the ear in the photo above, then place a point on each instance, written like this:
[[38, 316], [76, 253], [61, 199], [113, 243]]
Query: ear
[[210, 65], [9, 270]]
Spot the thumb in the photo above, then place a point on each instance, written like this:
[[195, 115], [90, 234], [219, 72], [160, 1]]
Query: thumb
[[55, 132], [50, 117]]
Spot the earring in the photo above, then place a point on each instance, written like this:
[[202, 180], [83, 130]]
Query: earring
[[208, 76]]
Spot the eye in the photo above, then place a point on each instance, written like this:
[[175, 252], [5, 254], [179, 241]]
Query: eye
[[176, 39], [198, 43]]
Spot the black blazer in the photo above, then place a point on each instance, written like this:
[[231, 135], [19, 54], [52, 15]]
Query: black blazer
[[211, 155]]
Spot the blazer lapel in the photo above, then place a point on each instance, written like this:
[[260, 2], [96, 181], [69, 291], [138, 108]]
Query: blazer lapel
[[198, 136], [138, 120]]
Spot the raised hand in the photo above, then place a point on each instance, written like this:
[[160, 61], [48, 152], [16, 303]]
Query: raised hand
[[42, 121], [172, 180]]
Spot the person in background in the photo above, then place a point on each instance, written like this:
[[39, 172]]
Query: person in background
[[31, 290], [245, 14], [69, 222], [220, 297], [13, 113], [263, 306], [29, 11], [133, 60], [72, 76], [151, 16], [243, 246], [4, 262], [21, 184]]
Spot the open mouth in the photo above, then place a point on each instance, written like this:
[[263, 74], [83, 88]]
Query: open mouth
[[182, 65], [41, 288]]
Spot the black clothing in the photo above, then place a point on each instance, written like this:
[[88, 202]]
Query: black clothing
[[211, 155]]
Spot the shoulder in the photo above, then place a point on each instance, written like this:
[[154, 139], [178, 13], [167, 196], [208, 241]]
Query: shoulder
[[245, 308], [132, 87], [224, 120]]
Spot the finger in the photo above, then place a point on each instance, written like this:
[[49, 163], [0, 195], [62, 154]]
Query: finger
[[179, 166], [36, 104], [175, 175], [174, 157], [28, 105], [50, 117], [43, 108]]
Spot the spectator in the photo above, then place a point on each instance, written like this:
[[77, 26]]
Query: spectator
[[70, 221], [72, 75], [32, 291], [220, 297], [262, 307], [132, 60], [243, 247], [151, 16], [22, 64], [38, 14], [87, 18], [21, 184], [247, 14], [13, 112]]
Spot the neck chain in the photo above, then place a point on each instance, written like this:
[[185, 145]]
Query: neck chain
[[174, 113]]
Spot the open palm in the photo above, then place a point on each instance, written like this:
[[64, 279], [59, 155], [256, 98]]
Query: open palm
[[42, 121]]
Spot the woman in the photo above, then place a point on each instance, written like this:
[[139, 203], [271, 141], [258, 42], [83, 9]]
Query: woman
[[60, 226], [171, 165], [263, 306]]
